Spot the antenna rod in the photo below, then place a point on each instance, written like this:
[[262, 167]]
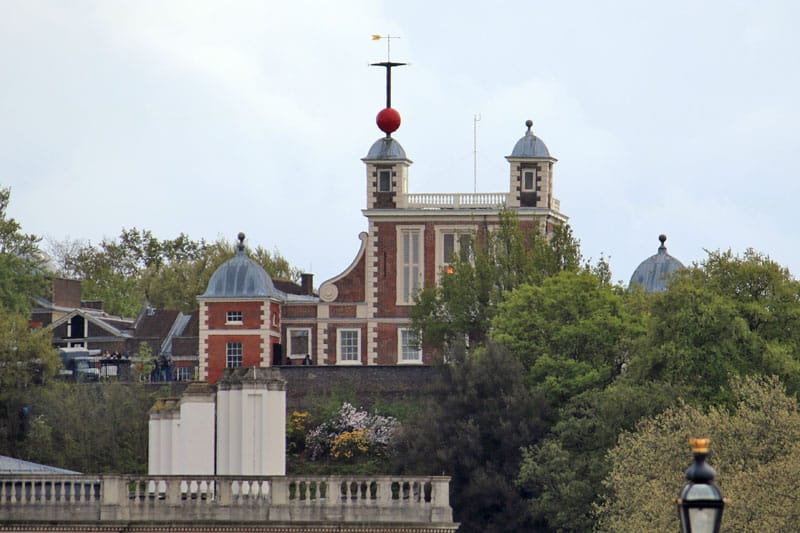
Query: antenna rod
[[475, 120], [388, 64]]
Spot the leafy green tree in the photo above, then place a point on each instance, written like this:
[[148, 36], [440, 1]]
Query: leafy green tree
[[459, 310], [89, 427], [727, 316], [563, 473], [137, 269], [481, 415], [572, 332], [755, 450], [22, 265], [27, 359]]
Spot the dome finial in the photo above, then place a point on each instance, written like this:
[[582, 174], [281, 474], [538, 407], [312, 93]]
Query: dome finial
[[529, 123], [663, 239], [240, 247]]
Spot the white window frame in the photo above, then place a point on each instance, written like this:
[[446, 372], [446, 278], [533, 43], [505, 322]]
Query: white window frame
[[458, 233], [341, 333], [289, 332], [526, 171], [184, 373], [231, 356], [406, 354], [231, 317], [384, 172], [410, 271]]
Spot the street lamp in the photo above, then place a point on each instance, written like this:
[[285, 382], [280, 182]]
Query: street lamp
[[700, 503]]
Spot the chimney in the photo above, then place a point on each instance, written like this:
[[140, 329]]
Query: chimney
[[66, 292], [307, 282]]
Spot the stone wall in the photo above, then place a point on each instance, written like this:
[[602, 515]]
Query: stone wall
[[368, 384]]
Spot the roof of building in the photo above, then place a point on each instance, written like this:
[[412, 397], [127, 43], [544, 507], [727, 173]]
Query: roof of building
[[653, 272], [386, 148], [154, 323], [241, 277], [12, 465], [529, 145]]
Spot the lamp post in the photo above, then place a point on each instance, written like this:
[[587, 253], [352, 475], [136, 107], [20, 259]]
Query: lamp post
[[700, 503]]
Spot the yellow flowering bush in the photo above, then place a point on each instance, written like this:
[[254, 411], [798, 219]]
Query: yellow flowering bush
[[296, 431], [350, 444]]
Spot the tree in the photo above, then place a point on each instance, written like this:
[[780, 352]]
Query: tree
[[137, 269], [755, 450], [563, 473], [89, 427], [459, 310], [572, 332], [22, 265], [481, 415], [725, 317], [27, 359]]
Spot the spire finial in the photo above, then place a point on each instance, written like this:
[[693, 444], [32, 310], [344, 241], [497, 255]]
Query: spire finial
[[663, 239], [529, 123], [240, 246], [388, 121]]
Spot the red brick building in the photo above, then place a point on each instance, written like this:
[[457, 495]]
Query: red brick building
[[360, 317]]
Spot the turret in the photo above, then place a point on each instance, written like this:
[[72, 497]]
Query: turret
[[531, 173]]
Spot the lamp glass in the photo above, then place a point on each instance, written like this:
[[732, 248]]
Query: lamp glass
[[703, 520]]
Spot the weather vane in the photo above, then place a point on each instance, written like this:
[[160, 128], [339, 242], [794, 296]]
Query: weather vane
[[388, 64]]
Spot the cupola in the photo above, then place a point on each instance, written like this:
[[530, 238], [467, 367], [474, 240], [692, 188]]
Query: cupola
[[531, 172], [241, 277], [653, 273]]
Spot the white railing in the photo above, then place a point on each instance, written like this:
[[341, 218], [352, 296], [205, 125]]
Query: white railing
[[367, 499], [455, 200]]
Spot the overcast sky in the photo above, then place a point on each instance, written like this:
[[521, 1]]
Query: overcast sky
[[210, 118]]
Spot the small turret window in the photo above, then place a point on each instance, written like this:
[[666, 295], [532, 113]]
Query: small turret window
[[528, 180], [233, 317], [384, 180]]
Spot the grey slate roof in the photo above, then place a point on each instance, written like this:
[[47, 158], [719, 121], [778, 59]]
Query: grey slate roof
[[530, 145], [386, 148], [653, 272], [11, 465], [240, 276]]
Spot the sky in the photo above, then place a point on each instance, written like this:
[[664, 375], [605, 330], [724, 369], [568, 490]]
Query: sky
[[211, 118]]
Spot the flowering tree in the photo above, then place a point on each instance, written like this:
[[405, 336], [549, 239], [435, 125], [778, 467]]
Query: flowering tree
[[351, 433]]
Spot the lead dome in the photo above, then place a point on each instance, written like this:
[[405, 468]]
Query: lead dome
[[240, 276], [530, 145], [653, 272], [386, 148]]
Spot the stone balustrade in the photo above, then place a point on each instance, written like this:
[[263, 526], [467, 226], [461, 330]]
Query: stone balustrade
[[455, 200], [66, 499]]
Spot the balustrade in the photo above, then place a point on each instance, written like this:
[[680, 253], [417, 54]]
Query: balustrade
[[142, 498], [454, 200]]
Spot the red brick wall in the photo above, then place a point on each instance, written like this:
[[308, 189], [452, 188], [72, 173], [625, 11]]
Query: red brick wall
[[217, 353], [351, 287], [299, 311], [343, 311], [67, 292], [251, 314], [387, 344], [386, 258]]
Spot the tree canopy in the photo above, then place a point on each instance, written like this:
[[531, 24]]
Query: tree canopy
[[481, 415], [137, 269], [459, 309], [22, 263], [755, 450]]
